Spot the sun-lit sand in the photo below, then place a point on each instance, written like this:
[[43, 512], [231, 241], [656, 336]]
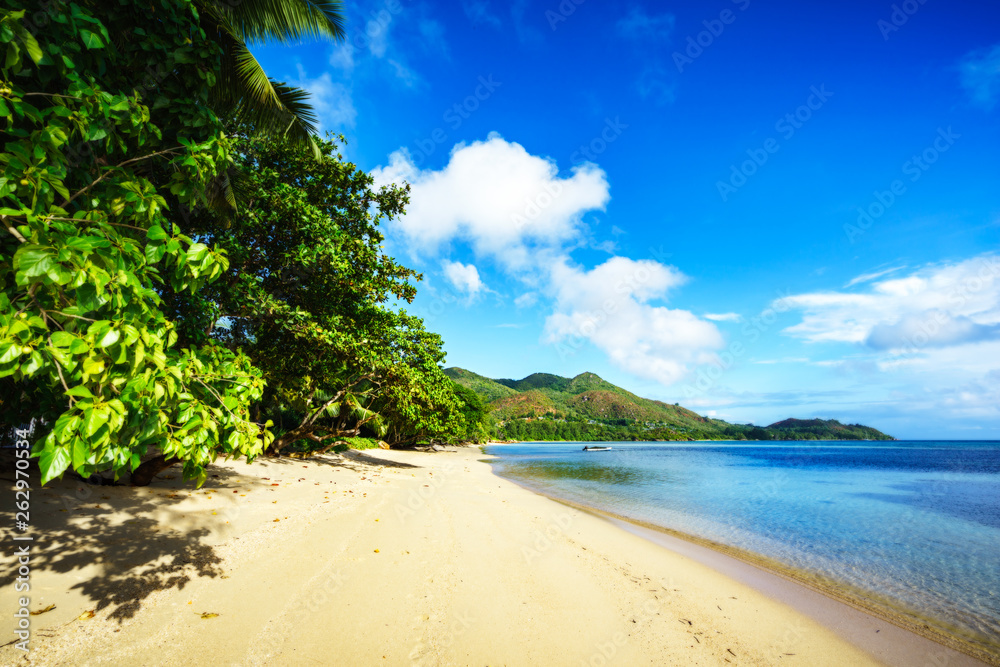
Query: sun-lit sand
[[378, 558]]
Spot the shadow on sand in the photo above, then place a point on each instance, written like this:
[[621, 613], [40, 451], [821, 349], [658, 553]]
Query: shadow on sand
[[78, 528]]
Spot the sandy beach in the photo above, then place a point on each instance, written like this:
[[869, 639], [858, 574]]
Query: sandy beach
[[399, 558]]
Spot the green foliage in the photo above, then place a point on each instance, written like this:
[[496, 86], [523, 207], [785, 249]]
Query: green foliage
[[587, 408], [96, 165], [243, 91], [311, 298], [473, 413], [489, 390], [362, 443]]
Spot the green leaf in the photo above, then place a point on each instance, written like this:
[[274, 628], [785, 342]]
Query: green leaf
[[53, 462], [81, 452], [109, 338], [156, 233], [92, 366], [155, 252], [91, 40], [63, 339], [80, 391], [9, 351], [197, 252], [93, 419], [65, 425], [33, 365], [33, 260]]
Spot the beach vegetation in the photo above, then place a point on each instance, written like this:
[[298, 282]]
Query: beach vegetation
[[145, 318], [108, 139]]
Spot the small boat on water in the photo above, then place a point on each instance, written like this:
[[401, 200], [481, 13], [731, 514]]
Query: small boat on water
[[596, 449]]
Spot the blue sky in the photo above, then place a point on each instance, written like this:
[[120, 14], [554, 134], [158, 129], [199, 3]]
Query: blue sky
[[756, 209]]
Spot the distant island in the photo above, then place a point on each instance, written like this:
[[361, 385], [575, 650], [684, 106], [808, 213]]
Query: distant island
[[587, 408]]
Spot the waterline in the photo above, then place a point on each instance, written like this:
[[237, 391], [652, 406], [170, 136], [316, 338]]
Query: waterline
[[908, 529]]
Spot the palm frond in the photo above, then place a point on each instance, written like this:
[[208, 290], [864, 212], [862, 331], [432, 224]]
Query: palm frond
[[287, 20], [271, 108], [245, 94]]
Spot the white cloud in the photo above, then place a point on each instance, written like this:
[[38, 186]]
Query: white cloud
[[409, 78], [723, 317], [516, 210], [937, 306], [526, 300], [787, 360], [342, 57], [868, 277], [981, 75], [609, 306], [332, 101], [463, 277], [508, 204]]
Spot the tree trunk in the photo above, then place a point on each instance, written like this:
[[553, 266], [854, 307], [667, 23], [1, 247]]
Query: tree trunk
[[147, 470]]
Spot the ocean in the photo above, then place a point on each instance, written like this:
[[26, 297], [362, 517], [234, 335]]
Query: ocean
[[910, 527]]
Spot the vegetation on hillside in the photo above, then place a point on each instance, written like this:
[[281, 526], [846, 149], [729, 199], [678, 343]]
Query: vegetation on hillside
[[588, 408]]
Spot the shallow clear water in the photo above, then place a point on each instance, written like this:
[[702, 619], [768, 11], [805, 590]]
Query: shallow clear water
[[916, 523]]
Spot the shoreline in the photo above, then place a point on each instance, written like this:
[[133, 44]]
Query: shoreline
[[388, 557], [793, 587], [855, 598]]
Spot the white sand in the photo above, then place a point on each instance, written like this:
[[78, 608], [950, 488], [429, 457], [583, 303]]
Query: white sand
[[372, 564]]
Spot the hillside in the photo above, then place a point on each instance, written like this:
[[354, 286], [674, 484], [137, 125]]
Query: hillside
[[543, 406], [488, 389]]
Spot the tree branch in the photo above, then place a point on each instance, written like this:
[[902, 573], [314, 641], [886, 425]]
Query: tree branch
[[13, 231], [118, 166]]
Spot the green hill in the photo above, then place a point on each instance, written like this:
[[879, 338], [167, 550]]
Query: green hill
[[543, 406], [488, 389]]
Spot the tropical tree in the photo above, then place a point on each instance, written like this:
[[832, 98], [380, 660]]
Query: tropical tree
[[313, 300], [95, 166], [243, 91]]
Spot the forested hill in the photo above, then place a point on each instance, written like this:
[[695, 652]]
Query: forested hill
[[588, 408]]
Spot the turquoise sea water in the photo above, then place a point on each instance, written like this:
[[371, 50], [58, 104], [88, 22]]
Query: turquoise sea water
[[915, 523]]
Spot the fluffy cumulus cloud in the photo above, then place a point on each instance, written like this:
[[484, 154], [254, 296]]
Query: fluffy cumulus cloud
[[610, 307], [521, 216], [463, 277], [937, 306], [509, 205]]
